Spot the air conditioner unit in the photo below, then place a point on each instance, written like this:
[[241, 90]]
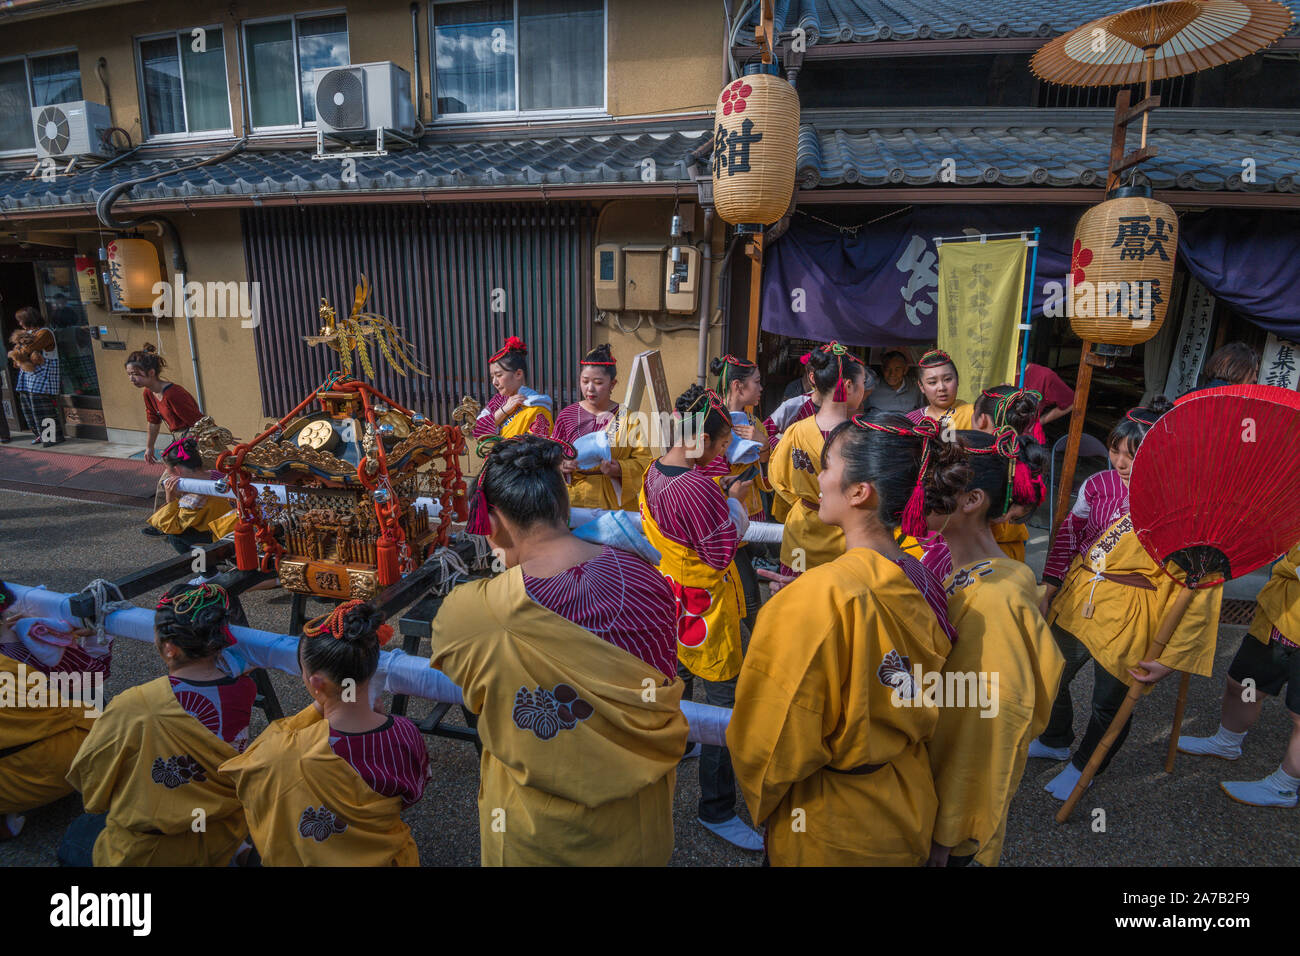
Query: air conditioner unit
[[363, 98], [79, 128]]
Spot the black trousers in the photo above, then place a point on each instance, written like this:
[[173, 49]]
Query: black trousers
[[1108, 693], [717, 779]]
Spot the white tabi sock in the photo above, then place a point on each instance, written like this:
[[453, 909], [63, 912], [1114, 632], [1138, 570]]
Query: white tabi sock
[[1222, 743], [1062, 785], [1278, 789]]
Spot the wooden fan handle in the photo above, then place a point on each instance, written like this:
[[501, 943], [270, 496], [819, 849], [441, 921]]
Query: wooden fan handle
[[1179, 710], [1173, 617]]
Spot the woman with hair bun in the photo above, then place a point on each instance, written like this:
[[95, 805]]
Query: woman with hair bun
[[937, 377], [1004, 658], [696, 525], [568, 659], [164, 401], [327, 786], [187, 520], [615, 482], [153, 759], [515, 409], [828, 728], [38, 743], [1106, 610], [740, 387], [998, 408], [842, 382]]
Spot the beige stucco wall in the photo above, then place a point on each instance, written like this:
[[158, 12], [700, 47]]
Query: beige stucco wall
[[662, 57], [227, 362]]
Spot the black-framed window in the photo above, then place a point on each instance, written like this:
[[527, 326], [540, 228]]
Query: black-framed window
[[280, 55], [183, 82], [501, 58], [36, 80]]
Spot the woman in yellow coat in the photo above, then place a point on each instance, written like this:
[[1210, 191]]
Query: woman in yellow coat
[[612, 479], [841, 381], [937, 376], [327, 786], [190, 519], [829, 732], [152, 762], [567, 657], [1001, 677], [1270, 658], [60, 677], [515, 409]]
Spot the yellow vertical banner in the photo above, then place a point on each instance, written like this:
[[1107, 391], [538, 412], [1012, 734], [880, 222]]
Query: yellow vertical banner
[[981, 300]]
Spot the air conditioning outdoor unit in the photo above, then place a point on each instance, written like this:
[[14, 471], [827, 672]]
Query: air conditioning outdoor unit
[[363, 98], [72, 129]]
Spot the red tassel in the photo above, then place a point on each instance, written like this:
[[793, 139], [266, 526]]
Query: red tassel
[[913, 522], [840, 394], [388, 572], [478, 516], [245, 547], [1037, 433], [1024, 490]]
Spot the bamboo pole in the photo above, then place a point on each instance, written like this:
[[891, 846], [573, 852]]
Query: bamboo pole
[[1173, 617], [1179, 710]]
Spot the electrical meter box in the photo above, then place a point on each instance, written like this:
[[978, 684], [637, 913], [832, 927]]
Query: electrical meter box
[[687, 296], [643, 283], [609, 277]]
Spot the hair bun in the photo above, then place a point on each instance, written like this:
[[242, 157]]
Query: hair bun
[[149, 347], [361, 623], [716, 365], [688, 398], [1160, 404]]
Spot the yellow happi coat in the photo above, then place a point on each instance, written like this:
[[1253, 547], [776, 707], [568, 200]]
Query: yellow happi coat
[[793, 470], [978, 759], [1011, 537], [1126, 614], [1279, 602], [149, 765], [307, 806], [754, 500], [594, 489], [49, 738], [816, 699], [521, 422], [216, 515], [959, 416], [580, 738], [710, 605]]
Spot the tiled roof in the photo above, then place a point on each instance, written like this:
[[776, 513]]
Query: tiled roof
[[1029, 154], [864, 21], [561, 160]]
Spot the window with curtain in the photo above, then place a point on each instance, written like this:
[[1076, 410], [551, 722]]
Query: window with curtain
[[185, 89], [34, 81], [516, 56], [281, 57]]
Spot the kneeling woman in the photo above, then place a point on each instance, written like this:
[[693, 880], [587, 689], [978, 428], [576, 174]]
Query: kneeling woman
[[152, 761], [327, 786], [1005, 661], [568, 659], [840, 379], [37, 743], [189, 519], [828, 735], [515, 409]]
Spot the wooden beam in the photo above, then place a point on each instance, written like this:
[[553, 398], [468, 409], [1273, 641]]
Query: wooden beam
[[1140, 109], [754, 249], [1118, 135], [1134, 158]]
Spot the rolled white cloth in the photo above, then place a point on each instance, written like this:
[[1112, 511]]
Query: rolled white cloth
[[592, 450], [399, 672]]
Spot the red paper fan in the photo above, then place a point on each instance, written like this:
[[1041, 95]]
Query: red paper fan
[[1216, 482]]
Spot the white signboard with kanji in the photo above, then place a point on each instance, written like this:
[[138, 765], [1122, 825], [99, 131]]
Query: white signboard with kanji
[[1281, 363], [1192, 342]]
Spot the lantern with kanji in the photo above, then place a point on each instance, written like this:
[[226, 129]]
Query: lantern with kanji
[[133, 271], [1122, 268], [755, 146]]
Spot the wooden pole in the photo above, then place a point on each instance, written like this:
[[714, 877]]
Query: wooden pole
[[1179, 710], [754, 250], [1168, 625], [1082, 386]]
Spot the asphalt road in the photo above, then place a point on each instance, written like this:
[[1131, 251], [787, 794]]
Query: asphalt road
[[1150, 818]]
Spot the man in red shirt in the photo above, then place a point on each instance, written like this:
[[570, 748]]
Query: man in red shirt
[[1058, 398]]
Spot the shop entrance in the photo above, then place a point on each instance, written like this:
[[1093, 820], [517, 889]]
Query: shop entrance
[[46, 279]]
